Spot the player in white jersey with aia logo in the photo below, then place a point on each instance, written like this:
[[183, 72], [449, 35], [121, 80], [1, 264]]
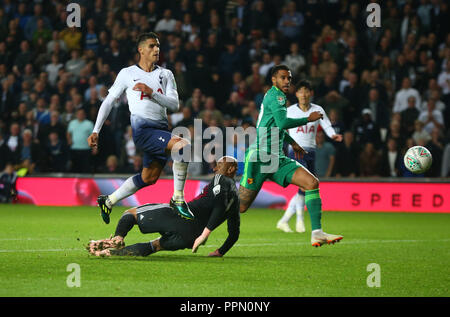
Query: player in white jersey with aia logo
[[305, 136], [150, 91]]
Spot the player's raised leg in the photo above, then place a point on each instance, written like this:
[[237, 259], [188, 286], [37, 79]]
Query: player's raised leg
[[310, 184], [148, 176]]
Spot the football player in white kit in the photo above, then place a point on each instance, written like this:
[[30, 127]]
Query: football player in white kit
[[305, 136], [150, 91]]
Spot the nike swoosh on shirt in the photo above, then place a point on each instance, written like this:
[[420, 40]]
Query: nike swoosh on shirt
[[136, 79]]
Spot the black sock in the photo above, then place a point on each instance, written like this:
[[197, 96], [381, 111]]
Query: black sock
[[125, 224], [138, 249]]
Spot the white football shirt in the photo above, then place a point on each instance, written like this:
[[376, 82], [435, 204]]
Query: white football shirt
[[154, 107], [305, 135]]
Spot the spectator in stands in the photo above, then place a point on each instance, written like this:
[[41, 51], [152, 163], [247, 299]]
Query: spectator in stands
[[8, 179], [431, 117], [294, 60], [352, 93], [167, 23], [233, 107], [24, 57], [210, 108], [93, 84], [291, 22], [112, 165], [72, 37], [444, 82], [75, 64], [187, 118], [77, 133], [41, 32], [391, 159], [255, 81], [325, 156], [395, 132], [401, 97], [135, 166], [57, 154], [69, 112], [32, 23], [267, 64], [436, 146], [90, 37], [347, 154], [22, 15], [445, 171], [260, 19], [420, 133], [379, 109], [409, 116], [14, 142], [56, 42], [369, 161], [53, 126], [366, 130], [30, 152], [53, 69], [5, 154]]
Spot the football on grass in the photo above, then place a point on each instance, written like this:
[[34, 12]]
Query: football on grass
[[418, 159]]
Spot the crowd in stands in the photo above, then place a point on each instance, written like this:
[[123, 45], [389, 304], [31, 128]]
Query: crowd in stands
[[384, 88]]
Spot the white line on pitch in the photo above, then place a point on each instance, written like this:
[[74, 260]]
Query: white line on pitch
[[249, 245]]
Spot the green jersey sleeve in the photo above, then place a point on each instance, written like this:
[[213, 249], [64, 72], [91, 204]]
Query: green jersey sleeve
[[279, 112]]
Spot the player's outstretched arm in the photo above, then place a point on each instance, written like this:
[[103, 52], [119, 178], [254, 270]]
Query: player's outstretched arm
[[201, 239], [103, 113], [283, 122]]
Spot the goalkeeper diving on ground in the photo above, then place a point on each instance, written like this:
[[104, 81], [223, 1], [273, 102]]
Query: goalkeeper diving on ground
[[217, 202]]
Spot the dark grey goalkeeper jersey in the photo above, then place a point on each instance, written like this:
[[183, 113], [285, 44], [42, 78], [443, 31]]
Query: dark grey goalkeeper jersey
[[218, 201]]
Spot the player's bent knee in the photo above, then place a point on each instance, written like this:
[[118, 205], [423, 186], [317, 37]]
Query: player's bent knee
[[181, 149], [312, 183]]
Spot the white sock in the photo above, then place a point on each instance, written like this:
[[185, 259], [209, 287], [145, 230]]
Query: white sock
[[126, 189], [300, 207], [179, 179], [290, 211]]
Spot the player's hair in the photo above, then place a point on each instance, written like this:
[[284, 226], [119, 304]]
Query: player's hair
[[144, 37], [303, 83], [277, 68]]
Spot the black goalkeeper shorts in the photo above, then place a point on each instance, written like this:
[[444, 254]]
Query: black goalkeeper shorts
[[176, 233]]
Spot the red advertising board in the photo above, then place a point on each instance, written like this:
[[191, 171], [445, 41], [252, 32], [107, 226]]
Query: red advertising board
[[336, 196]]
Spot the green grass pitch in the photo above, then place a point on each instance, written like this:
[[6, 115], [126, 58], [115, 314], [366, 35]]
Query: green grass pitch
[[412, 251]]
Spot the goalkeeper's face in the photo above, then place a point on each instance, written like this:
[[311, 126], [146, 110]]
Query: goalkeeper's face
[[226, 166], [282, 80]]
